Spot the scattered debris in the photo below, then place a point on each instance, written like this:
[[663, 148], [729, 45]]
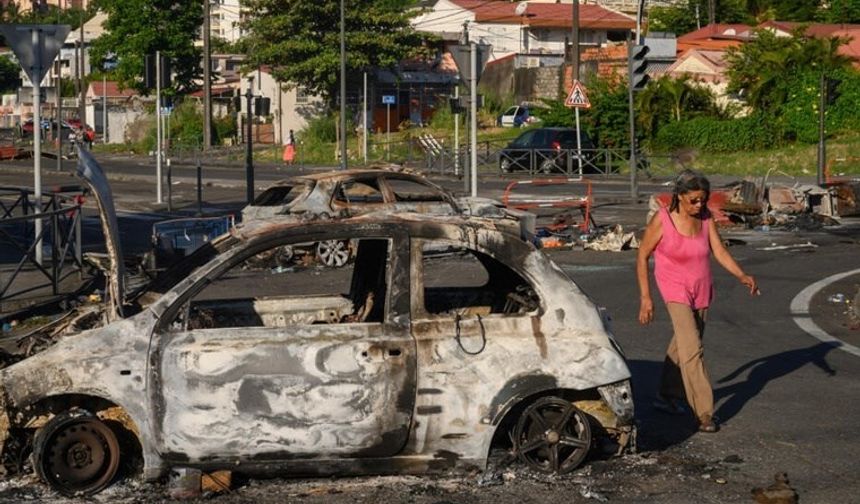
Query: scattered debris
[[777, 493], [836, 298], [793, 246], [615, 240]]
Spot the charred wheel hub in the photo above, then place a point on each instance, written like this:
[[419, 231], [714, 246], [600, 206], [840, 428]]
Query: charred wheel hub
[[75, 452], [79, 455], [552, 435]]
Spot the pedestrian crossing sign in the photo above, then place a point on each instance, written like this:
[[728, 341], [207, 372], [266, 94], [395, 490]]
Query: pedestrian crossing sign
[[577, 97]]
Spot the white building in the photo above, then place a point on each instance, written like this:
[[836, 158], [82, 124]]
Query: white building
[[224, 19], [524, 27]]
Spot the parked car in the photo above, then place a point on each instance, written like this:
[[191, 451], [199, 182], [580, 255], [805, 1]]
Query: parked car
[[517, 116], [401, 362], [546, 150]]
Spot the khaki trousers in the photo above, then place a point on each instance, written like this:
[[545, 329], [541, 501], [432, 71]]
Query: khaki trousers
[[684, 372]]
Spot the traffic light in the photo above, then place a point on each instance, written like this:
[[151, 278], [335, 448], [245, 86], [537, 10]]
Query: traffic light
[[149, 71], [638, 66], [832, 90], [262, 105]]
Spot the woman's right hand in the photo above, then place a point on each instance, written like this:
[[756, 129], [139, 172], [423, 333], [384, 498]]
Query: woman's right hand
[[646, 310]]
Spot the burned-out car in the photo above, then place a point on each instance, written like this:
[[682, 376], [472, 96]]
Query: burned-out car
[[443, 338], [350, 192]]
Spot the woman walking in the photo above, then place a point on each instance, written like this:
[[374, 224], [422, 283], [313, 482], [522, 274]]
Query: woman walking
[[682, 238], [290, 149]]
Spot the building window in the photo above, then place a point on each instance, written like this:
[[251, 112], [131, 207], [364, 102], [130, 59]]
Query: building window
[[301, 95]]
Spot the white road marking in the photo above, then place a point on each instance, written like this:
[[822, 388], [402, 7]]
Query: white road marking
[[800, 312]]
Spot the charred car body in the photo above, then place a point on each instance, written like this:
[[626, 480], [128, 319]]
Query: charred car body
[[390, 365]]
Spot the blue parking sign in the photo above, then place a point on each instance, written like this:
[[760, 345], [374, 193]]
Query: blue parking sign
[[388, 100]]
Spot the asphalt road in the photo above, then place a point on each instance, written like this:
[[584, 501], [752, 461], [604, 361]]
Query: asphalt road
[[787, 402]]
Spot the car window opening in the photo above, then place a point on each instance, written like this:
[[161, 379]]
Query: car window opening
[[359, 191], [278, 195], [282, 286], [469, 282]]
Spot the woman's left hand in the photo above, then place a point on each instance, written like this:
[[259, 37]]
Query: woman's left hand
[[750, 282]]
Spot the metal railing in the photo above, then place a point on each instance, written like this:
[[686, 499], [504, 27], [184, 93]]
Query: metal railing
[[60, 235]]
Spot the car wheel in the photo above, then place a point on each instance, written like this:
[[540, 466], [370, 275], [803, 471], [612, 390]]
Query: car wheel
[[333, 253], [547, 166], [552, 436], [76, 453], [505, 166]]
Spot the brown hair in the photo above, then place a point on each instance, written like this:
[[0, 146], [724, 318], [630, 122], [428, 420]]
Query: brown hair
[[689, 180]]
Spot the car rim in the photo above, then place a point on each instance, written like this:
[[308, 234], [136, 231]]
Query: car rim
[[333, 253], [547, 166], [552, 435], [80, 456]]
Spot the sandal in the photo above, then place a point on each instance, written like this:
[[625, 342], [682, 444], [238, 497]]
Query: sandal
[[668, 406], [708, 425]]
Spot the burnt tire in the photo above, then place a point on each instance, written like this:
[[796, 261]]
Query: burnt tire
[[552, 436], [75, 453]]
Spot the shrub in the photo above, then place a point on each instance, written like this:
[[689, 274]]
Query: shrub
[[716, 135]]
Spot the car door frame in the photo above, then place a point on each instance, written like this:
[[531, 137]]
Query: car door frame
[[396, 323]]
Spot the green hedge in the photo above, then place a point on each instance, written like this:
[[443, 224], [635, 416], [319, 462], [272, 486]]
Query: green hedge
[[717, 135]]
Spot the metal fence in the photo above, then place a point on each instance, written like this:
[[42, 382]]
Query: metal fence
[[21, 272]]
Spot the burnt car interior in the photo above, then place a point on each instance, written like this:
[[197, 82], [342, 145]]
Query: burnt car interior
[[359, 191], [483, 285], [410, 191], [277, 195], [294, 295]]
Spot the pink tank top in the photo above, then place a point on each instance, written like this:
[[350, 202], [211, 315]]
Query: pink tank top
[[682, 265]]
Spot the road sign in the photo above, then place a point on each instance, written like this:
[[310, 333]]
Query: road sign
[[461, 56], [35, 46], [388, 99], [577, 97]]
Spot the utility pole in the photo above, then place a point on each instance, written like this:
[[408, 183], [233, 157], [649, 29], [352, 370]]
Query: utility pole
[[158, 132], [343, 162], [59, 68], [364, 122], [473, 55], [207, 82], [822, 154], [82, 105], [574, 41], [249, 144]]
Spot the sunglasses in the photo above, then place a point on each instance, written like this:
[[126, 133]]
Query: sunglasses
[[697, 201]]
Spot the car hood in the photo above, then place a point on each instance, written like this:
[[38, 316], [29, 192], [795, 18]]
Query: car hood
[[89, 170]]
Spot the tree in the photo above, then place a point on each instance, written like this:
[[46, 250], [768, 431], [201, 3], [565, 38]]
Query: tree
[[764, 69], [135, 28], [300, 40], [9, 71], [840, 11], [671, 99]]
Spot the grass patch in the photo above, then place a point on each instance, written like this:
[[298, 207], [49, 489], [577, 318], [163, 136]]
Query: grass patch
[[795, 159]]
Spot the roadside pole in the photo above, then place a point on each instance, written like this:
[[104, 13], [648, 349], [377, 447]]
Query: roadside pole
[[158, 187], [364, 122], [634, 188], [37, 141], [473, 95], [249, 145], [822, 153], [577, 99], [387, 130], [578, 140], [457, 131], [104, 108], [59, 87]]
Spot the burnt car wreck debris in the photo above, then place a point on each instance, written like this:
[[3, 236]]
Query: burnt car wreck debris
[[758, 204], [447, 335]]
